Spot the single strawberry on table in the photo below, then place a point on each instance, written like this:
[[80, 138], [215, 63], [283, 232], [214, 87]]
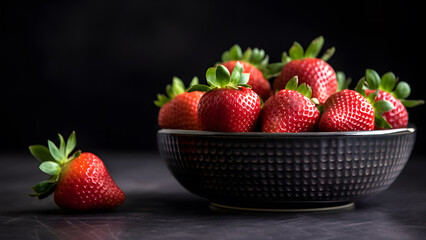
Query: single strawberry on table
[[397, 117], [290, 109], [178, 110], [254, 62], [229, 105], [78, 182], [350, 110], [313, 71]]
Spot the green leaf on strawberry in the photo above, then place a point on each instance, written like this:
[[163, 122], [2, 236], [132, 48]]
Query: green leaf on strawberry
[[342, 81], [56, 154], [315, 47], [372, 97], [223, 77], [53, 159], [387, 83], [328, 54], [199, 87], [173, 90], [256, 57], [303, 88], [411, 103], [235, 53], [381, 122], [296, 52], [51, 168], [382, 106], [219, 77], [41, 152], [360, 87], [292, 84], [71, 143], [43, 189], [402, 90], [372, 78], [236, 73]]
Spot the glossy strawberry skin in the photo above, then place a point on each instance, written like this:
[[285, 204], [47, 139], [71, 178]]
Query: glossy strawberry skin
[[258, 83], [229, 110], [85, 184], [315, 72], [289, 111], [397, 117], [181, 112], [346, 110]]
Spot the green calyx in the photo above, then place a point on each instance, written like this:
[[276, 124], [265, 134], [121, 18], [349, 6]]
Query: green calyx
[[296, 51], [379, 107], [219, 77], [389, 83], [52, 160], [303, 88], [256, 57], [342, 81], [176, 88]]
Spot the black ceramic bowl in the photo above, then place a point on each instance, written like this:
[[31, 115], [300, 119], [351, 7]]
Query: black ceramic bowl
[[285, 171]]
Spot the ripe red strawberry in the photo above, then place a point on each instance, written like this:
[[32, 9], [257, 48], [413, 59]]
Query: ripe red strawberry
[[397, 117], [346, 110], [349, 110], [179, 109], [229, 104], [79, 182], [290, 110], [254, 62], [315, 72]]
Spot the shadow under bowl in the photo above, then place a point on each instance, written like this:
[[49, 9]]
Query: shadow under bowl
[[285, 171]]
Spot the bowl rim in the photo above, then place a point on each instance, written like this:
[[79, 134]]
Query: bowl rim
[[410, 129]]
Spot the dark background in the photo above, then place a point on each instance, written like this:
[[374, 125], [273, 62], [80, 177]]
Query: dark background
[[96, 66]]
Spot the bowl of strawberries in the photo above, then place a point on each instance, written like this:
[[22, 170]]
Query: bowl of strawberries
[[307, 143]]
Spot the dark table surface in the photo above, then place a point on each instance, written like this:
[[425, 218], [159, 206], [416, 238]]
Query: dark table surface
[[157, 207]]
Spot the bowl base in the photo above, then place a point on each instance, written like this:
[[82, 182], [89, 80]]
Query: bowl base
[[300, 208]]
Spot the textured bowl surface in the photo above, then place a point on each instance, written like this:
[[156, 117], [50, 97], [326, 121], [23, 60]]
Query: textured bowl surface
[[285, 170]]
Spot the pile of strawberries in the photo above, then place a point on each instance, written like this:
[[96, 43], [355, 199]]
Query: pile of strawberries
[[306, 95]]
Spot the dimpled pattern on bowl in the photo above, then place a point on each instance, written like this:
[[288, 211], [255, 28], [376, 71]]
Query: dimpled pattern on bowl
[[264, 170]]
